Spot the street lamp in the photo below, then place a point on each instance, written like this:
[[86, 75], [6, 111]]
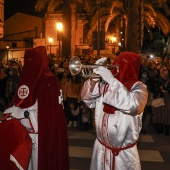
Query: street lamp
[[114, 39], [7, 48], [59, 27], [50, 39]]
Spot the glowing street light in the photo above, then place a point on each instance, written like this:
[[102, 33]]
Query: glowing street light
[[50, 39], [7, 48], [114, 39], [151, 56], [59, 27]]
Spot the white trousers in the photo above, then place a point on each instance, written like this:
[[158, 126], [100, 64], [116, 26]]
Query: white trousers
[[33, 163]]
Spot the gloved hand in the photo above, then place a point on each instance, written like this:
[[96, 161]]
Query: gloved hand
[[105, 74], [16, 112], [101, 61]]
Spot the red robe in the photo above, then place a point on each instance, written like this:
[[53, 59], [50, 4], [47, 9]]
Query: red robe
[[14, 142]]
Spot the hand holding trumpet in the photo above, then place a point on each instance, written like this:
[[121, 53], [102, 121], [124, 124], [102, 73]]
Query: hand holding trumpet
[[76, 67], [105, 74]]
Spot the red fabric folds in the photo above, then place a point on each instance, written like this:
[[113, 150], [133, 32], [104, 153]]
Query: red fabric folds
[[45, 88], [52, 134], [129, 65], [14, 141]]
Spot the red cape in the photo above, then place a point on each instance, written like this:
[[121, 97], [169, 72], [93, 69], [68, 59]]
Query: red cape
[[45, 88], [14, 142]]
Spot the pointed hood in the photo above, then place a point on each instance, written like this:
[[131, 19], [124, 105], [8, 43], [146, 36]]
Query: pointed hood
[[35, 69], [129, 66]]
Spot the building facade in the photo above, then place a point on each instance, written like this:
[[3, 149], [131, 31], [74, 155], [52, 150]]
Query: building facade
[[19, 32], [1, 18], [26, 31]]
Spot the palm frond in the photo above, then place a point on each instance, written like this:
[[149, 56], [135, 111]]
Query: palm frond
[[149, 8], [163, 23], [110, 18], [149, 19], [115, 9], [53, 4], [40, 5]]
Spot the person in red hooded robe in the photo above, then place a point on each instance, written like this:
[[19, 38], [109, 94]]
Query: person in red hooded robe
[[37, 103], [119, 100]]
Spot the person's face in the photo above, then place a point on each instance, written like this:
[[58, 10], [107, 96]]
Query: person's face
[[155, 73], [166, 59], [144, 75], [91, 61], [72, 106], [150, 65], [2, 72], [66, 70], [164, 72]]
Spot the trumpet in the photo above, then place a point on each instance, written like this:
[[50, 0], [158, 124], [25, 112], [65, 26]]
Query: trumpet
[[75, 67]]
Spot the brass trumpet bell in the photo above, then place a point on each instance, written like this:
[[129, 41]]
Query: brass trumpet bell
[[76, 67]]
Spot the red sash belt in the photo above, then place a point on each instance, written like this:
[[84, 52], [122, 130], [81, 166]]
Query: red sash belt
[[115, 151]]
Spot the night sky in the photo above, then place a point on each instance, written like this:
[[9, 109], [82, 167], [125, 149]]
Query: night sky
[[24, 6]]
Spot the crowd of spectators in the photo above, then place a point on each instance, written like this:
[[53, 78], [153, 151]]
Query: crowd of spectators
[[154, 73], [10, 73]]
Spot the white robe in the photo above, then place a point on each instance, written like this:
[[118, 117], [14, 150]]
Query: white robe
[[116, 130], [33, 115]]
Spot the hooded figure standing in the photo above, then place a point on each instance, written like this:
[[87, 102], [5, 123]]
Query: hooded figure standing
[[119, 105], [40, 110]]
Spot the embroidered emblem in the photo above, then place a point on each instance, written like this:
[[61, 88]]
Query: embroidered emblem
[[60, 98], [23, 92]]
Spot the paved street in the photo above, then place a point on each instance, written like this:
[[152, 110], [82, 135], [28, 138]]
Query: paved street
[[154, 150]]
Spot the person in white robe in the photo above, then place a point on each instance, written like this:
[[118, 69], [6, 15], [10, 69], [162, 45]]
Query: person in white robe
[[119, 100]]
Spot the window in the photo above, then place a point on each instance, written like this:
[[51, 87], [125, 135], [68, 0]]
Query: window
[[14, 45]]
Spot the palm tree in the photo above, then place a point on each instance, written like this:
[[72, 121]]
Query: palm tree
[[131, 15], [132, 43], [129, 12], [50, 5]]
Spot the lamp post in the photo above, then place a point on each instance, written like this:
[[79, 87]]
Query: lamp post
[[59, 27], [7, 48], [50, 39], [114, 39], [98, 29]]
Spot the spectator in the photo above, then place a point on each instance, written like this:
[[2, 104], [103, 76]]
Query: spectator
[[72, 94], [147, 114], [86, 118], [151, 65], [3, 81], [11, 84], [1, 63], [161, 116], [73, 113]]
